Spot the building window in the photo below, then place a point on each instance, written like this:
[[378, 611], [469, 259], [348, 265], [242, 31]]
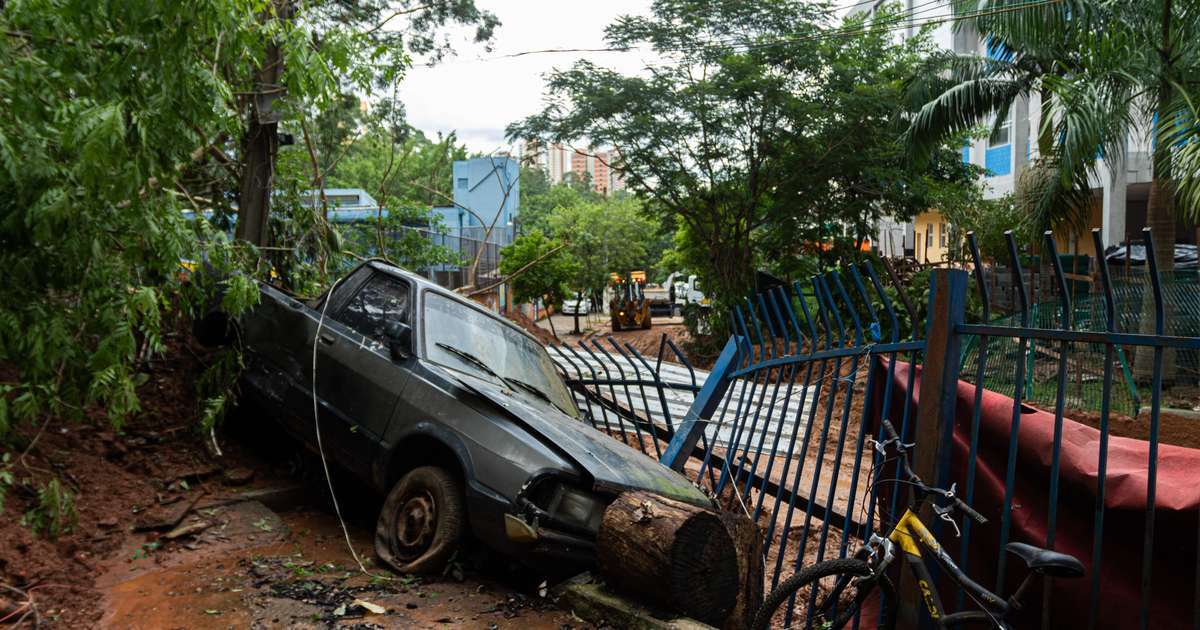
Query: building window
[[1001, 135], [462, 182], [997, 160], [929, 236], [942, 234]]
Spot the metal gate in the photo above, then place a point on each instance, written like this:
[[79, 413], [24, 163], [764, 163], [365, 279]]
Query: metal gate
[[790, 390], [781, 426]]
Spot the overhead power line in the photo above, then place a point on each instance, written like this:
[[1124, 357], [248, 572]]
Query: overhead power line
[[895, 22]]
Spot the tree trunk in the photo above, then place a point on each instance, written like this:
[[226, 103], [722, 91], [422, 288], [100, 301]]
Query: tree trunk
[[671, 554], [260, 144], [1160, 216], [258, 169], [578, 302], [550, 320]]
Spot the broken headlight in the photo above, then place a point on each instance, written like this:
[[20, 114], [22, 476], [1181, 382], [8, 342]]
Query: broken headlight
[[569, 506]]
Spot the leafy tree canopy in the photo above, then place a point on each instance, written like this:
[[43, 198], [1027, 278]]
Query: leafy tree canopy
[[104, 111], [758, 128], [539, 267], [120, 117], [605, 237], [1104, 72]]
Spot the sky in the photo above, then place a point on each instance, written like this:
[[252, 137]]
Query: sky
[[478, 98], [478, 93]]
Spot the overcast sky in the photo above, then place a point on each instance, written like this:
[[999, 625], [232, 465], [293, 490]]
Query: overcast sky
[[478, 93], [479, 98]]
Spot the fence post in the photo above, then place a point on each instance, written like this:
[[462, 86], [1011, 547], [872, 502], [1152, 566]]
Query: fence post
[[934, 432], [706, 401], [939, 376]]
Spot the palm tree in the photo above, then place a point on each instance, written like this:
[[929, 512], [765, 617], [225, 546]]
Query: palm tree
[[956, 93], [1103, 70]]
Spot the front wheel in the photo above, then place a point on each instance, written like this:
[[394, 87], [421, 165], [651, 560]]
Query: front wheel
[[827, 596], [422, 522]]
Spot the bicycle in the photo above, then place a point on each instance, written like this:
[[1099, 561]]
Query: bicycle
[[832, 592]]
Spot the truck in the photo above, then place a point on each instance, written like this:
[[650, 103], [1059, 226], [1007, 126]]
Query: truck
[[660, 298], [689, 291]]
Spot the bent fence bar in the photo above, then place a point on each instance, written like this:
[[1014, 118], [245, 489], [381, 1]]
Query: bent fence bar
[[782, 426]]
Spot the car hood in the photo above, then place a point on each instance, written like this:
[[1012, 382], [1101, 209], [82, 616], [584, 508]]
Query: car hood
[[613, 465]]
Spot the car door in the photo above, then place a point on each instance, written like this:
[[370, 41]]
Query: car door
[[358, 382]]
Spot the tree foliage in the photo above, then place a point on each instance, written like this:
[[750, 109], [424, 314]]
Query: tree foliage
[[540, 199], [610, 236], [121, 116], [539, 268], [847, 165], [1106, 73], [104, 109], [754, 133], [406, 173]]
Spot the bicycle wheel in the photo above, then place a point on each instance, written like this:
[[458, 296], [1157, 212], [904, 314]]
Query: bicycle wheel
[[827, 596]]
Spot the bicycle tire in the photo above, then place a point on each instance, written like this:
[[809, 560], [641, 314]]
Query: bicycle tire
[[844, 568]]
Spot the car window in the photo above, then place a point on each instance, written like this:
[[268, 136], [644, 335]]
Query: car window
[[381, 300]]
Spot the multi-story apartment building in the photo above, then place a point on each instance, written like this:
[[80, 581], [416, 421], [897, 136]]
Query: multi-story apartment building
[[1120, 190], [559, 161]]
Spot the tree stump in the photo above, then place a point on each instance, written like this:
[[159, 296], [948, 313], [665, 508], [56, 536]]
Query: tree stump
[[672, 554]]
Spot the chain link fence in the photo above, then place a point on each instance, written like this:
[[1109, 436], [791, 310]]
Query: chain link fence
[[1085, 361]]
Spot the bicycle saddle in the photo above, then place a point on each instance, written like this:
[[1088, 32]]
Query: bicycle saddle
[[1046, 561]]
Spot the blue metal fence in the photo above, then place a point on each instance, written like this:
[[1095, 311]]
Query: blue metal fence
[[779, 428], [1112, 339], [776, 428]]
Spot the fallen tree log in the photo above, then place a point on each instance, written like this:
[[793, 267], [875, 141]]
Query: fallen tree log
[[672, 554], [748, 543]]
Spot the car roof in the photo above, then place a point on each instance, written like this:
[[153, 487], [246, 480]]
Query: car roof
[[423, 283]]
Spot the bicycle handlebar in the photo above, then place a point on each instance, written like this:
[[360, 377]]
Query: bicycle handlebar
[[958, 503], [969, 511]]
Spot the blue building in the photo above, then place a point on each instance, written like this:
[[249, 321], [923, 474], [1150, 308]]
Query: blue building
[[486, 192]]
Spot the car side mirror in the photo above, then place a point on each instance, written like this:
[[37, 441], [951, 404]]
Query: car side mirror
[[399, 337]]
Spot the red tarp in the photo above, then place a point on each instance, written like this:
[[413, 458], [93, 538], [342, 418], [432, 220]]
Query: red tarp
[[1177, 499]]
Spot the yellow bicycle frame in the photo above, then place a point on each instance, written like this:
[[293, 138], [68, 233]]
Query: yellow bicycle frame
[[908, 531], [905, 535]]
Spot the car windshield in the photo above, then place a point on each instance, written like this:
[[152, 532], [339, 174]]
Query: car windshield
[[461, 337]]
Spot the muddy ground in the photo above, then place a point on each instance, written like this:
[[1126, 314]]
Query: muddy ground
[[165, 534]]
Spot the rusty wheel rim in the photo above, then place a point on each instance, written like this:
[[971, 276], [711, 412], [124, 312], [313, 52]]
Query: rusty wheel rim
[[416, 524]]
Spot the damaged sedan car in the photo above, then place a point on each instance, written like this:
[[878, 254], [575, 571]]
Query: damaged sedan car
[[458, 416]]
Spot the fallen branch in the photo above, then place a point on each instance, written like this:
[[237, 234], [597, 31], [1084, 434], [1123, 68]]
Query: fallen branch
[[514, 274]]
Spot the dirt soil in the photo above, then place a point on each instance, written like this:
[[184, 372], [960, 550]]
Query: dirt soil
[[1173, 428], [531, 327], [647, 342], [168, 535]]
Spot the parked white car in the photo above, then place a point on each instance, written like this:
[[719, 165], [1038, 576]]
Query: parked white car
[[576, 306]]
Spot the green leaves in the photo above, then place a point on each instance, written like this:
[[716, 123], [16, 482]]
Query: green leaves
[[609, 236], [54, 513], [106, 108], [537, 268], [1104, 72]]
